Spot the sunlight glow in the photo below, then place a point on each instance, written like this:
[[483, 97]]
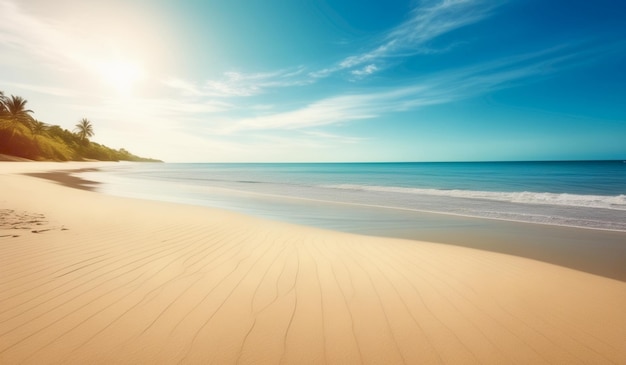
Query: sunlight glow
[[122, 75]]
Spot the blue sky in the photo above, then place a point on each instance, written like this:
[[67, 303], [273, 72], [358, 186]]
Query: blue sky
[[322, 80]]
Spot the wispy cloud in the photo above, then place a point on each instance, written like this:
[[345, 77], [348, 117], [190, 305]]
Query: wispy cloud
[[155, 110], [440, 88], [327, 111], [48, 90], [367, 70], [426, 22], [237, 84]]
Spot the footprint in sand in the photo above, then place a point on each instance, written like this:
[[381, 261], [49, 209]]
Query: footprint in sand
[[35, 222]]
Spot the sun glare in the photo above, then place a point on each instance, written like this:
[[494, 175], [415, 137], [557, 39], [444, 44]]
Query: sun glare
[[121, 75]]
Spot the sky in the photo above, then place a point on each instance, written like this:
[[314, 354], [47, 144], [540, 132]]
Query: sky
[[326, 80]]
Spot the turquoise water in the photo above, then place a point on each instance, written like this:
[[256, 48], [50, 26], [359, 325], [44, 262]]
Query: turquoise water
[[589, 194]]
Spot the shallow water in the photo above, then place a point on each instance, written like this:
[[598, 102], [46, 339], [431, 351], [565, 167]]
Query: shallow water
[[577, 194]]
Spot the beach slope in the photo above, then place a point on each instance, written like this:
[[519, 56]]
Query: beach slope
[[89, 278]]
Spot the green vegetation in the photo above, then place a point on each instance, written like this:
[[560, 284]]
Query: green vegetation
[[21, 135], [84, 130]]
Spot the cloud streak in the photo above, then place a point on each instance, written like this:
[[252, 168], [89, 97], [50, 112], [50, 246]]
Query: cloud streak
[[444, 87], [239, 84], [48, 90], [425, 23]]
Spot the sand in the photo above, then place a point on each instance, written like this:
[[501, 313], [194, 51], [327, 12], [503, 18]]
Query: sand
[[89, 278]]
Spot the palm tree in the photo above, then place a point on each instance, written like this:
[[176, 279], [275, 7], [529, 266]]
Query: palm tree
[[84, 129], [38, 127], [3, 100], [15, 112]]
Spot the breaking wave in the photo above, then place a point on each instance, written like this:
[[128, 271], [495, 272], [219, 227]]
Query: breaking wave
[[615, 202]]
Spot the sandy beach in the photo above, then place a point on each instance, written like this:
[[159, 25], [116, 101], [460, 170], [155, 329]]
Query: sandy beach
[[90, 278]]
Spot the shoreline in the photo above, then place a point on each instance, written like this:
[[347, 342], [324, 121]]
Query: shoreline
[[596, 251], [419, 211], [392, 208], [98, 278], [580, 211]]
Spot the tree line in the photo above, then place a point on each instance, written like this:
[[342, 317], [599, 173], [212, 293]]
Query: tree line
[[22, 135]]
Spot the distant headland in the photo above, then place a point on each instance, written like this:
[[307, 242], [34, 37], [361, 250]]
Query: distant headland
[[22, 137]]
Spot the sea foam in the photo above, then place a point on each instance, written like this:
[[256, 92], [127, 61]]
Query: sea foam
[[573, 200]]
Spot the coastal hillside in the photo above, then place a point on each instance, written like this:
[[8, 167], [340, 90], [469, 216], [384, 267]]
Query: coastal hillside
[[23, 136]]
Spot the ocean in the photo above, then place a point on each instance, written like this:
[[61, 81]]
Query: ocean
[[358, 197]]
